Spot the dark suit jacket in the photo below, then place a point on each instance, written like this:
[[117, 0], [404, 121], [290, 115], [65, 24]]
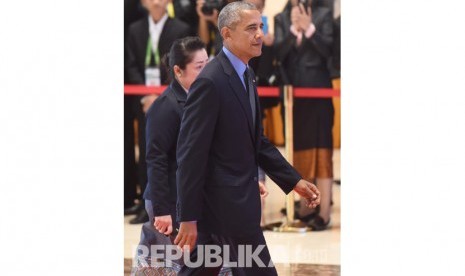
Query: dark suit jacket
[[162, 129], [137, 46], [219, 153]]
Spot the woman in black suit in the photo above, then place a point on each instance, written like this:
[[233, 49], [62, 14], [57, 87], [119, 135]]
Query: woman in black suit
[[185, 60]]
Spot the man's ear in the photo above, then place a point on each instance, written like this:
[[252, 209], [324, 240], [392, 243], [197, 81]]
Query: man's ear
[[225, 33]]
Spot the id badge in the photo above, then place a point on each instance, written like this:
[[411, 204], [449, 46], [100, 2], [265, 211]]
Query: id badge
[[152, 76]]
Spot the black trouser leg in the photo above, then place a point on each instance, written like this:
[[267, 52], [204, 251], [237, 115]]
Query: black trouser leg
[[130, 173]]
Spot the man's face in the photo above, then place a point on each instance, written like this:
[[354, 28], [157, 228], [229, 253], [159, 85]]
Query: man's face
[[246, 38], [156, 8]]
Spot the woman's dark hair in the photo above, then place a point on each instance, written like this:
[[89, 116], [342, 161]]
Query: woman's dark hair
[[181, 53]]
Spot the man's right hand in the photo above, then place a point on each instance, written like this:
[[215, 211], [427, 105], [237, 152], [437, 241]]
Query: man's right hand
[[187, 235], [308, 191]]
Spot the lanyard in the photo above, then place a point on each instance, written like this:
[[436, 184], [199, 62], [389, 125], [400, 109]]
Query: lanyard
[[148, 54], [212, 39]]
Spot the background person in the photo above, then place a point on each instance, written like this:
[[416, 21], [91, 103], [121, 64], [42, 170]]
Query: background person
[[207, 25], [303, 43]]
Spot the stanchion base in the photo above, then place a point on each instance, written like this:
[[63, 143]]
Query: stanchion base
[[294, 227]]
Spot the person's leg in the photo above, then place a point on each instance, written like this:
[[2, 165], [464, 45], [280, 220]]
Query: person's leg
[[242, 250], [142, 168], [325, 187], [263, 219], [304, 163], [142, 165], [196, 265], [246, 256], [261, 179], [130, 174], [324, 183], [153, 251]]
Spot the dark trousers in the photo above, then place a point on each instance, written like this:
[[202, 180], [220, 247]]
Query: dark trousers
[[255, 240], [134, 172]]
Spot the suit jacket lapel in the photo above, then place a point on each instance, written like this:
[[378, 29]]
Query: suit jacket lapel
[[239, 90], [258, 116]]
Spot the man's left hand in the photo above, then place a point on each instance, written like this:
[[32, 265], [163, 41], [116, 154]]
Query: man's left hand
[[263, 191]]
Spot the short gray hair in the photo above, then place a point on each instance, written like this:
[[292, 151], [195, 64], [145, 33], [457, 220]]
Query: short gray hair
[[231, 13]]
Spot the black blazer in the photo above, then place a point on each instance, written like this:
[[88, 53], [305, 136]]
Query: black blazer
[[137, 46], [162, 129], [263, 66], [219, 153], [306, 65]]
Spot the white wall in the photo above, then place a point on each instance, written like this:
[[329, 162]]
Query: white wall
[[273, 7]]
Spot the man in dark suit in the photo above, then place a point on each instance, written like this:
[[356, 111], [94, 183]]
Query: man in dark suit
[[148, 40], [220, 147]]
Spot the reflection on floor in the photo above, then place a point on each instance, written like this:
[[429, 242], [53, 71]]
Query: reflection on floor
[[311, 253]]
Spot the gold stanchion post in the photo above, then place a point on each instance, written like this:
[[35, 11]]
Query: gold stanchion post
[[291, 224]]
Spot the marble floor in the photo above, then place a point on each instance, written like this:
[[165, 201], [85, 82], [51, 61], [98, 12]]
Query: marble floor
[[310, 253]]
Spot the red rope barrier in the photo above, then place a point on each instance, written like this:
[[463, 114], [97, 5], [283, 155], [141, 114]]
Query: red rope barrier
[[263, 91], [139, 90], [300, 92]]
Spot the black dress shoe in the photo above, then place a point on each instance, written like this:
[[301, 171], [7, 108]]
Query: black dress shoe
[[142, 217], [308, 217], [134, 209], [318, 224], [305, 218]]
